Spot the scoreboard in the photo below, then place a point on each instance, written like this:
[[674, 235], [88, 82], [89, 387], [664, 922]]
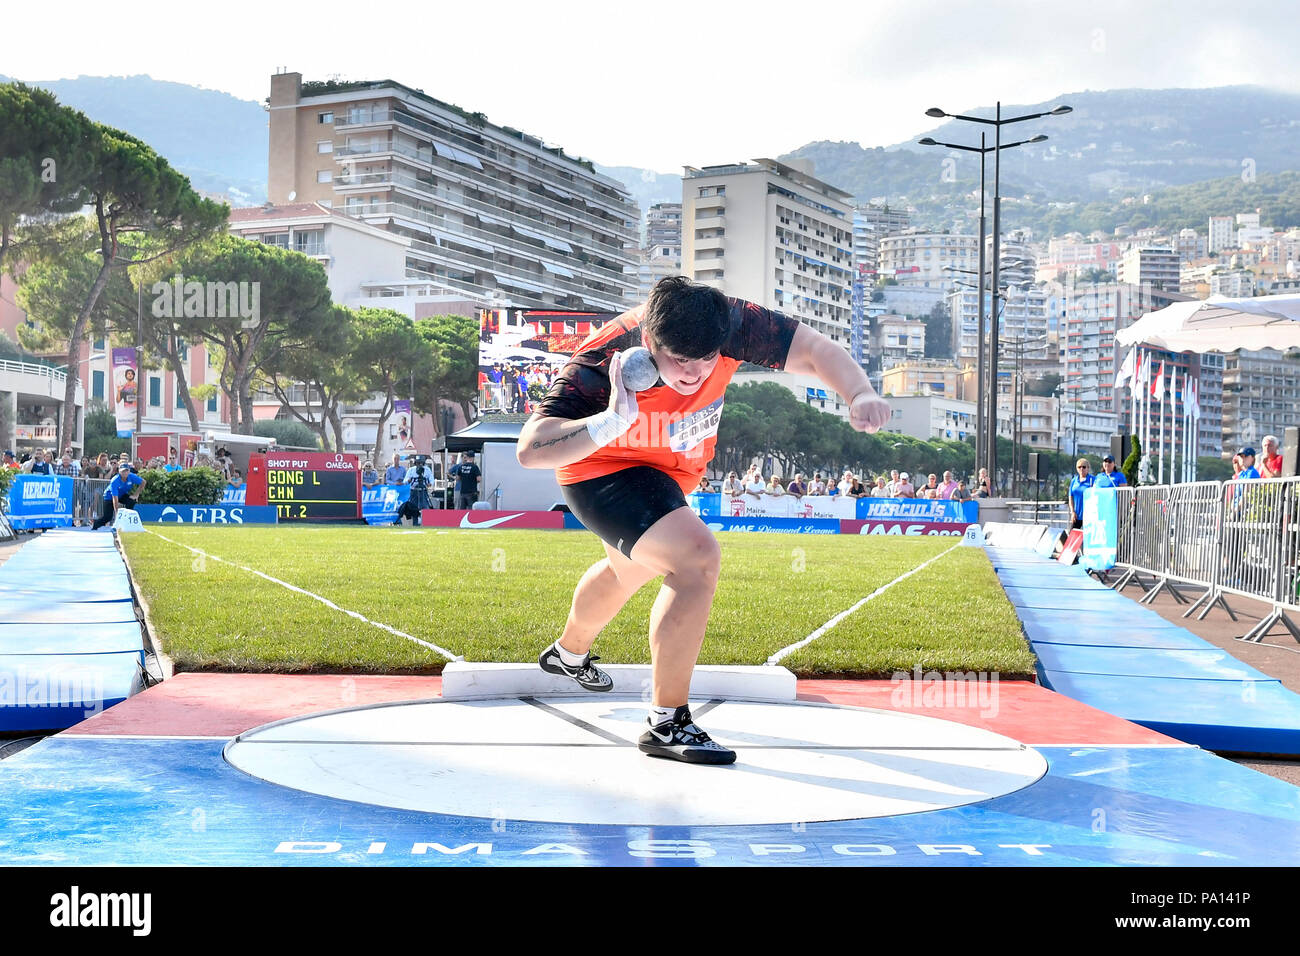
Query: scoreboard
[[306, 486]]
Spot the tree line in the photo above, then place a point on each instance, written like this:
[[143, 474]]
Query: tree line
[[107, 240]]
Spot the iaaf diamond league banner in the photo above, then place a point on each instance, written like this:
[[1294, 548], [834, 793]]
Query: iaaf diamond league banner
[[872, 510], [126, 390]]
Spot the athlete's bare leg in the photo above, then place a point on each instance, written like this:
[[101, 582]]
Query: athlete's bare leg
[[604, 589], [685, 552]]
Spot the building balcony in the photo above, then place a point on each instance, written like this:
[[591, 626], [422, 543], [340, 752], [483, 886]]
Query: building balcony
[[715, 244]]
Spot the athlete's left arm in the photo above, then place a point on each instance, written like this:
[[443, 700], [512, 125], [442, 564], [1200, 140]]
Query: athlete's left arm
[[812, 353]]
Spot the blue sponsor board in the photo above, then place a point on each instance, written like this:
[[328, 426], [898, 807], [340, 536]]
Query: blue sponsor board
[[40, 501], [379, 505], [1100, 528], [919, 509], [207, 514], [233, 496], [775, 525], [706, 506]]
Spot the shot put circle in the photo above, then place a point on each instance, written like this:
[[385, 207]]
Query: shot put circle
[[575, 761]]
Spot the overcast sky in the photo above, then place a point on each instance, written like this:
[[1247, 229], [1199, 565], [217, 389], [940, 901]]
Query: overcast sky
[[662, 84]]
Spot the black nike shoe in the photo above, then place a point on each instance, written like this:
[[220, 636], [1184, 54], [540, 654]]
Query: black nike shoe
[[587, 674], [680, 738]]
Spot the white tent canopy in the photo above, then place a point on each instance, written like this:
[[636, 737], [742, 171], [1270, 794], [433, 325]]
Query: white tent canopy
[[1219, 324]]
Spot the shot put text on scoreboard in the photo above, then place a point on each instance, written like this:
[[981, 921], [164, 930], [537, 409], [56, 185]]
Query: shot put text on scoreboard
[[309, 486]]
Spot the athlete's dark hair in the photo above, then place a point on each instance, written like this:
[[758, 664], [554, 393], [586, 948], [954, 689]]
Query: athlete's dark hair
[[686, 318]]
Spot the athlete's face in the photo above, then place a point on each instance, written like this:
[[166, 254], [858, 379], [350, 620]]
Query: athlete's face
[[682, 375]]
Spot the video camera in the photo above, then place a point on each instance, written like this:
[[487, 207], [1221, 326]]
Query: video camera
[[419, 496]]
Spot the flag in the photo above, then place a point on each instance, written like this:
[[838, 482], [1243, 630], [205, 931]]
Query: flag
[[1196, 401], [1158, 384], [1126, 370]]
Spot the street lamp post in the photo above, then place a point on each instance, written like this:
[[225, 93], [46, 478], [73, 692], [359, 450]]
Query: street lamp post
[[997, 123]]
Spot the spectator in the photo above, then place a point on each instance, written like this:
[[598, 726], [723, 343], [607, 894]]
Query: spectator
[[497, 379], [904, 487], [73, 463], [100, 468], [27, 465], [118, 494], [236, 480], [882, 488], [832, 489], [521, 383], [172, 464], [962, 493], [948, 487], [467, 475], [754, 484], [369, 476], [930, 490], [10, 461], [1110, 477], [984, 485], [892, 484], [732, 485], [704, 488], [395, 474], [64, 466], [774, 487], [1236, 466], [857, 489], [1074, 501], [1271, 463], [846, 483], [818, 486], [41, 464], [797, 487], [1248, 469]]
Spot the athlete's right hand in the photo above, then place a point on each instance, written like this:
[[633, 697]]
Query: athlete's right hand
[[622, 400]]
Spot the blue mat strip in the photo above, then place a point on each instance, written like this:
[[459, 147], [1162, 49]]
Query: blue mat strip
[[1105, 650], [70, 643]]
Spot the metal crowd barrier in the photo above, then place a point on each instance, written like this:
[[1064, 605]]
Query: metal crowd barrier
[[1235, 537]]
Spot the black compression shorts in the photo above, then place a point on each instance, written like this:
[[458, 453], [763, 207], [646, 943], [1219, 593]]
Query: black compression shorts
[[621, 506]]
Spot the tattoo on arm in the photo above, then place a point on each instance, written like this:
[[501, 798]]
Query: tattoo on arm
[[557, 440]]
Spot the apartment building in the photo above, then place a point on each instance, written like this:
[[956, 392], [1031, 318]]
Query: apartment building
[[773, 234], [1260, 396], [1024, 315], [922, 377], [1150, 265], [896, 338], [930, 260], [871, 222], [491, 214], [1221, 235]]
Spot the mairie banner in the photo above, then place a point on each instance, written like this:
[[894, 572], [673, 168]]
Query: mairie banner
[[40, 501]]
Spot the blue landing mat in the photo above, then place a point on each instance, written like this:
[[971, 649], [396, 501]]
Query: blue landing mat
[[1102, 599], [94, 801], [1230, 715], [1132, 617], [52, 691], [1060, 582], [67, 590], [1192, 664], [45, 612], [81, 638], [1164, 638]]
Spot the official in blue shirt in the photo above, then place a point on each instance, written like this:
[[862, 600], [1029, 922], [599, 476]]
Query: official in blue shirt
[[118, 494], [1083, 479], [1110, 477]]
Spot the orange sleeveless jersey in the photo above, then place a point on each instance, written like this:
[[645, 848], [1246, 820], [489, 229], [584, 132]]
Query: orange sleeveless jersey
[[673, 432]]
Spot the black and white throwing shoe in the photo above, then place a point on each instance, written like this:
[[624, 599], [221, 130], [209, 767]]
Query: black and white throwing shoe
[[587, 674], [680, 738]]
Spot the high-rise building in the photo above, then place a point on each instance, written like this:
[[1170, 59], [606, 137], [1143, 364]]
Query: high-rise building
[[870, 223], [1261, 392], [1150, 265], [491, 213], [663, 238], [896, 338], [1024, 315], [773, 234], [1221, 234]]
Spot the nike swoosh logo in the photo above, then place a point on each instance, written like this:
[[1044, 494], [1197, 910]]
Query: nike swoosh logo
[[466, 523], [662, 738]]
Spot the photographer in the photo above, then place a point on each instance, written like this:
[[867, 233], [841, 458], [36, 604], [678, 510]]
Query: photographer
[[418, 476]]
